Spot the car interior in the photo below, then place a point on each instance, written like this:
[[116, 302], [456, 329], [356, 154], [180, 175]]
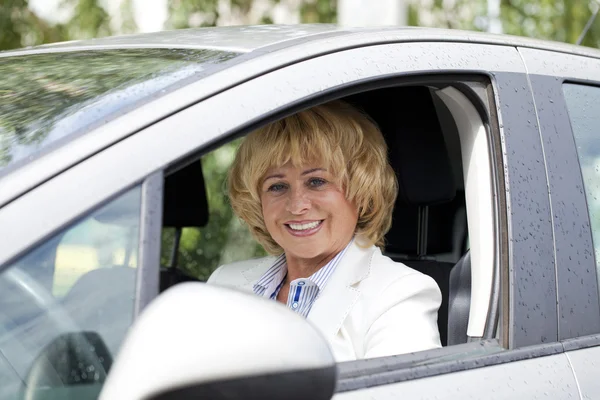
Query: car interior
[[429, 229]]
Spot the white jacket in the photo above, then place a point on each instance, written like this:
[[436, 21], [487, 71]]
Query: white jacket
[[371, 306]]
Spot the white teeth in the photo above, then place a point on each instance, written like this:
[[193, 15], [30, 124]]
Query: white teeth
[[302, 227]]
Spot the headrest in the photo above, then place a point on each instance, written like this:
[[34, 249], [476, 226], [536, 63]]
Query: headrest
[[408, 120], [444, 223], [184, 202]]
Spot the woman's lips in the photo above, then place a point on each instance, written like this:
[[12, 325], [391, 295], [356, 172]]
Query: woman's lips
[[304, 232]]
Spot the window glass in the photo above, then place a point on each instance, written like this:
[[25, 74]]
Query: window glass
[[223, 239], [46, 97], [583, 103], [89, 246], [66, 305]]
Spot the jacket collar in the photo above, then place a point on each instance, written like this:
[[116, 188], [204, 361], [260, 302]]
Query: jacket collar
[[253, 274], [338, 297], [335, 303], [354, 270]]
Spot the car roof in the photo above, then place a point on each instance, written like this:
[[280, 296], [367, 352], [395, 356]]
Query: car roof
[[259, 49], [245, 39], [241, 39]]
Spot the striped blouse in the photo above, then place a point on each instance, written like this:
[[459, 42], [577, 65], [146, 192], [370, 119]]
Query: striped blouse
[[303, 291]]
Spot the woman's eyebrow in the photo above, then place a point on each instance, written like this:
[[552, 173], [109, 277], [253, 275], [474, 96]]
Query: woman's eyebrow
[[278, 176], [310, 171], [281, 176]]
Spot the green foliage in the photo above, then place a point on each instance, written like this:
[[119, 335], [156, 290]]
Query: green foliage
[[19, 26], [128, 24], [224, 239], [89, 20], [202, 13], [319, 11], [456, 14], [413, 15], [559, 20], [192, 13]]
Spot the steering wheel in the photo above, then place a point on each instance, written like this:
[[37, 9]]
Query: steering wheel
[[68, 338]]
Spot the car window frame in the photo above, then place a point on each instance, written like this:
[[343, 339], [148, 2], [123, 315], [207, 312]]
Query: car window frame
[[548, 72], [147, 278], [504, 70]]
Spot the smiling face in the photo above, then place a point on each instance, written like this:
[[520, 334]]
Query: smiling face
[[306, 212]]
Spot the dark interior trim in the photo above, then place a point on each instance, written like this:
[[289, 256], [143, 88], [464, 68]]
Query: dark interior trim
[[314, 384], [532, 303], [500, 220], [576, 271], [150, 241], [498, 323]]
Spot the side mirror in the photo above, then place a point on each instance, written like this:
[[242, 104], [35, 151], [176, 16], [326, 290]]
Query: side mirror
[[202, 341]]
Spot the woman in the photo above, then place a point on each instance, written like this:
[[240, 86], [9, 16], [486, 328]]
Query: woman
[[317, 192]]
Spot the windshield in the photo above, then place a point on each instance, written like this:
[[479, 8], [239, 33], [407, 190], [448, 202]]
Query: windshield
[[47, 97]]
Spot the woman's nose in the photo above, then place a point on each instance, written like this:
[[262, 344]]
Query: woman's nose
[[298, 202]]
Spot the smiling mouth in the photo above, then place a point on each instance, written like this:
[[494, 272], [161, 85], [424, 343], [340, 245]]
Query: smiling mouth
[[305, 229]]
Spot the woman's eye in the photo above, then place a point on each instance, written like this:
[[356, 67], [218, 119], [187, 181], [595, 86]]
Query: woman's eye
[[276, 187], [316, 182]]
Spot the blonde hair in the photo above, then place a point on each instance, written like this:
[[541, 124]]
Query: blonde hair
[[344, 140]]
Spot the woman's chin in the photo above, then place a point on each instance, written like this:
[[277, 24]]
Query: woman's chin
[[307, 250]]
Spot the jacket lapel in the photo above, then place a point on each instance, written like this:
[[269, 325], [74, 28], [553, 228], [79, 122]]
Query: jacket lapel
[[334, 304], [337, 299], [252, 274]]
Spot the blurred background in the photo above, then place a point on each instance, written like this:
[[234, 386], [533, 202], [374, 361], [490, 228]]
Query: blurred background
[[30, 22]]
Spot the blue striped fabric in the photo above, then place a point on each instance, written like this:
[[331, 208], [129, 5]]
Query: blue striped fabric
[[303, 291]]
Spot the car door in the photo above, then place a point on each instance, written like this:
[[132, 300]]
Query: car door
[[526, 355], [567, 95]]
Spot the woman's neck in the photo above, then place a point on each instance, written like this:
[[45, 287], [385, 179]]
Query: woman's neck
[[303, 268], [298, 267]]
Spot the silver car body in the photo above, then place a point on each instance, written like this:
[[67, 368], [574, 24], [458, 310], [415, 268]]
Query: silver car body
[[548, 349]]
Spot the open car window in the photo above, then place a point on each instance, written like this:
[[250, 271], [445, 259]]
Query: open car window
[[430, 227], [200, 231]]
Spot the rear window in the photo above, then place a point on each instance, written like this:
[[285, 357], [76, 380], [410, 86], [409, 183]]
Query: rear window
[[47, 97], [583, 104]]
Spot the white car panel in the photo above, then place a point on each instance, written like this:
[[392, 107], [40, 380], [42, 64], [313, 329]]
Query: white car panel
[[560, 65], [586, 364], [548, 377]]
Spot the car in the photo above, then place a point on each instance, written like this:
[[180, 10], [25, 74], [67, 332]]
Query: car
[[113, 157]]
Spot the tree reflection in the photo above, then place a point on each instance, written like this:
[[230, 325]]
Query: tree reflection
[[41, 92]]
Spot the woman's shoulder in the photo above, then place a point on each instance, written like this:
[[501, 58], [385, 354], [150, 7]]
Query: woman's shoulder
[[384, 269]]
